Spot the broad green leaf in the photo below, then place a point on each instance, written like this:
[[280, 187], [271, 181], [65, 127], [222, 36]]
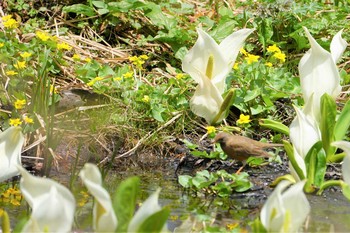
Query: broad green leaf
[[124, 202], [290, 153], [185, 181], [346, 190], [157, 113], [274, 125], [316, 165], [343, 123], [327, 124], [80, 9], [155, 222]]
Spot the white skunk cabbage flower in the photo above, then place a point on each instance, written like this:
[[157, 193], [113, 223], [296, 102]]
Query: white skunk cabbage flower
[[223, 57], [318, 71], [285, 211], [303, 132], [53, 205], [104, 218], [209, 63], [11, 143]]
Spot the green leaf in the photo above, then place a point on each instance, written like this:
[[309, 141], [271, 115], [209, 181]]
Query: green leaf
[[185, 181], [316, 165], [343, 123], [346, 190], [274, 125], [124, 202], [157, 113], [327, 124], [80, 9], [155, 222], [290, 153]]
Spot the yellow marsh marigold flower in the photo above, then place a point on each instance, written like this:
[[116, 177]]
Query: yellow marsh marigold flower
[[25, 55], [144, 57], [145, 98], [179, 76], [243, 51], [53, 89], [15, 122], [19, 104], [28, 120], [268, 64], [252, 58], [2, 44], [129, 74], [88, 60], [280, 56], [210, 129], [63, 46], [235, 66], [11, 72], [243, 119], [273, 49], [20, 65], [10, 24], [42, 35], [76, 57], [6, 17], [117, 78]]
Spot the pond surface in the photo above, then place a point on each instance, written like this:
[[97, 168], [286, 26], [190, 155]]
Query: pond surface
[[329, 212]]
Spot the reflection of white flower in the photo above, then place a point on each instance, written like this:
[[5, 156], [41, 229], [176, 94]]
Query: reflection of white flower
[[11, 142], [52, 204], [285, 211], [104, 218], [209, 63], [318, 71], [345, 146]]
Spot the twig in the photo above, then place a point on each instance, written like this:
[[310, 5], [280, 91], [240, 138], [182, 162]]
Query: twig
[[142, 140]]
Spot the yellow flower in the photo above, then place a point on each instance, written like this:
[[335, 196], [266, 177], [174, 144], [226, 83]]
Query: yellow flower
[[88, 60], [25, 55], [15, 202], [133, 58], [252, 58], [42, 35], [20, 65], [145, 98], [117, 78], [231, 226], [1, 44], [129, 74], [10, 24], [243, 51], [19, 104], [273, 48], [53, 89], [11, 72], [268, 64], [235, 66], [63, 46], [6, 17], [76, 57], [280, 56], [144, 57], [28, 120], [210, 129], [179, 76], [15, 122], [98, 79], [243, 119]]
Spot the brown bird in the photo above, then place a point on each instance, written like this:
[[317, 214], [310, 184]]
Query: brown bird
[[241, 148]]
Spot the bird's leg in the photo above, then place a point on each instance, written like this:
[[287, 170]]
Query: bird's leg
[[241, 168]]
